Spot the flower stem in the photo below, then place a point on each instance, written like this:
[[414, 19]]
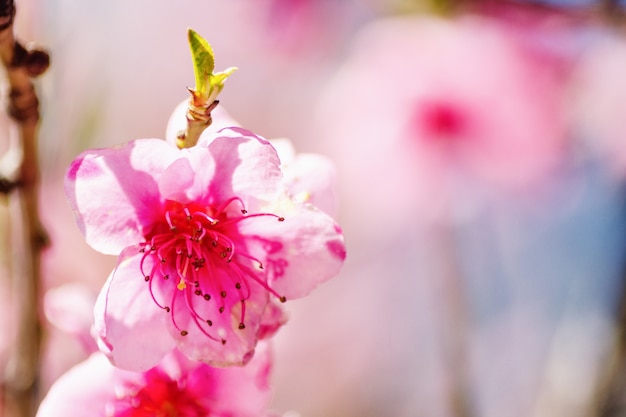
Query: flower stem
[[22, 373], [198, 119]]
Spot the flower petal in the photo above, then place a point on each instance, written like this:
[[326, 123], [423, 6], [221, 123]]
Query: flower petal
[[310, 178], [250, 382], [77, 393], [304, 250], [247, 166], [188, 178], [228, 344], [273, 318], [128, 321], [114, 191]]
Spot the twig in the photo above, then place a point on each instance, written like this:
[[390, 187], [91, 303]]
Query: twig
[[21, 64], [198, 119], [610, 398]]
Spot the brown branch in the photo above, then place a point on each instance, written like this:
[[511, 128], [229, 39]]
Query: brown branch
[[21, 64]]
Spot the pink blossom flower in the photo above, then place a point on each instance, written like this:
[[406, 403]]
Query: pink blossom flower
[[208, 239], [69, 308], [175, 387], [455, 106]]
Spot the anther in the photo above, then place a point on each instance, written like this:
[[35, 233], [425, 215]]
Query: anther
[[283, 299], [281, 219], [167, 309], [198, 292], [207, 297], [209, 322], [238, 286], [184, 332], [223, 294], [146, 278], [166, 276], [242, 326], [223, 341], [244, 211], [221, 310]]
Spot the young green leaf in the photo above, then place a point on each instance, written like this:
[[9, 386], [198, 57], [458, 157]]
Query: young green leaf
[[203, 61]]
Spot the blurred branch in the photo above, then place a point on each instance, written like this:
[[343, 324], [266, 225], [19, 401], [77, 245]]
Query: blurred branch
[[460, 396], [21, 64], [611, 397]]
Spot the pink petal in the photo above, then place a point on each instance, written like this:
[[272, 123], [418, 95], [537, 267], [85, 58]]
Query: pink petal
[[309, 177], [239, 391], [79, 392], [127, 319], [238, 345], [300, 252], [188, 178], [273, 318], [114, 192], [247, 166]]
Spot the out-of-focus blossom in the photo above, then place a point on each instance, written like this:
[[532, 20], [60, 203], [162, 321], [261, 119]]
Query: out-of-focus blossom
[[206, 236], [302, 27], [432, 103], [70, 309], [175, 387]]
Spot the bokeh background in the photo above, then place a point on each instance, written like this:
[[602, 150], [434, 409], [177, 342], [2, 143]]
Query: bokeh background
[[480, 152]]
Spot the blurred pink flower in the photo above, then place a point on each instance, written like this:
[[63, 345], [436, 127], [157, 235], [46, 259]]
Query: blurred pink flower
[[69, 308], [424, 103], [301, 28], [205, 235], [175, 387]]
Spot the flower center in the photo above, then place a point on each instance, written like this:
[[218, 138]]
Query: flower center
[[197, 260], [439, 120], [160, 396]]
